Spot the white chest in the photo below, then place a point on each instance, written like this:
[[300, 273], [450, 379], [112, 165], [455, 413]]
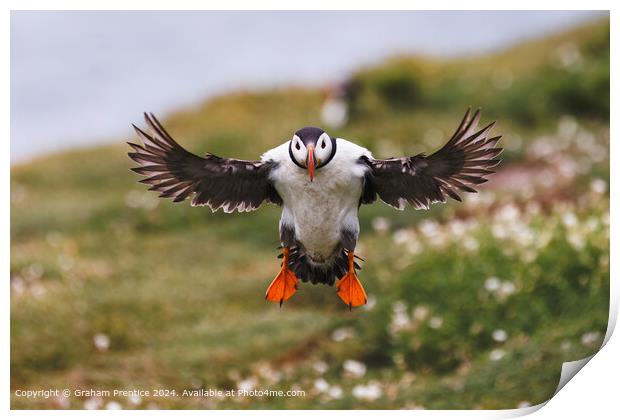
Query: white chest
[[319, 210]]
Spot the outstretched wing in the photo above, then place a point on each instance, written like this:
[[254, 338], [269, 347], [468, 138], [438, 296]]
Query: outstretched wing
[[229, 184], [460, 165]]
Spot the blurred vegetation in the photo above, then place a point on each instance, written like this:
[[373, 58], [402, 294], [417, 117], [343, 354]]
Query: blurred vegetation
[[533, 83], [472, 305]]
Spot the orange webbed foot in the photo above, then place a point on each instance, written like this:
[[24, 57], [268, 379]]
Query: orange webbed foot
[[349, 288], [284, 285]]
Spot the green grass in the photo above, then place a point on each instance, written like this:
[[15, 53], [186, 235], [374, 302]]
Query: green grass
[[179, 291]]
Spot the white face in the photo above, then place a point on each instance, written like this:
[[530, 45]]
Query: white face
[[299, 151], [323, 149]]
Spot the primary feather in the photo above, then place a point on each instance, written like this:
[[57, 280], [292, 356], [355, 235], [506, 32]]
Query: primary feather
[[228, 184], [460, 165]]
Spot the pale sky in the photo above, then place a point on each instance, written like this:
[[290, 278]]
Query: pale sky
[[80, 78]]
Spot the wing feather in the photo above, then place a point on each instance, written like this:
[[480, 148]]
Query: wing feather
[[459, 166], [172, 171]]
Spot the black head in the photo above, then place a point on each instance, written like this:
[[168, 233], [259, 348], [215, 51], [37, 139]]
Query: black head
[[311, 148]]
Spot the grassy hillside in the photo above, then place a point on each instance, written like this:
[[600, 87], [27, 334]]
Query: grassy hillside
[[471, 305]]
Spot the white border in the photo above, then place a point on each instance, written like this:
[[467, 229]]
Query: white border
[[593, 392]]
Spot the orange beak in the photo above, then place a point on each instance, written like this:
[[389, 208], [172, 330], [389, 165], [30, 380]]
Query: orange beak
[[310, 161]]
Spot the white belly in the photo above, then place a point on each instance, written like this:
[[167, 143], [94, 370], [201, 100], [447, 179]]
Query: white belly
[[319, 210]]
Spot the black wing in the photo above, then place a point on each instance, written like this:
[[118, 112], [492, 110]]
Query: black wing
[[460, 165], [213, 181]]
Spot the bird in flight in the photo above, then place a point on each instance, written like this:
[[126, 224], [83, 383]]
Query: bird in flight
[[320, 182]]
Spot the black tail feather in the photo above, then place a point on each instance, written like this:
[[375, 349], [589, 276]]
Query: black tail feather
[[307, 270]]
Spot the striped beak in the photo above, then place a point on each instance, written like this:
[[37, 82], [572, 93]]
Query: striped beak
[[310, 161]]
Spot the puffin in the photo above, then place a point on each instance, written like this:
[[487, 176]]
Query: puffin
[[320, 182]]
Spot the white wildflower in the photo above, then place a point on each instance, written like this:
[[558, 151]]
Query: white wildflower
[[247, 384], [567, 126], [500, 336], [499, 231], [429, 228], [508, 213], [320, 366], [492, 284], [470, 244], [381, 224], [113, 405], [473, 200], [591, 224], [547, 178], [576, 239], [400, 321], [566, 345], [34, 271], [605, 218], [354, 368], [93, 403], [134, 399], [457, 228], [598, 186], [63, 402], [421, 312], [341, 334], [435, 322], [269, 374], [321, 385], [414, 246], [399, 306], [507, 288], [569, 57], [37, 290], [569, 219], [497, 354], [533, 208], [372, 302], [590, 338], [102, 342], [335, 392], [368, 392], [438, 240], [141, 199], [522, 234], [603, 261], [401, 236], [18, 284]]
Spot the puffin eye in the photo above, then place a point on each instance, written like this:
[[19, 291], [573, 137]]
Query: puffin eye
[[323, 144], [297, 146]]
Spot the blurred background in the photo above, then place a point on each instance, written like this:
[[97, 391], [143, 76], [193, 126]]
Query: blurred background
[[471, 305]]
